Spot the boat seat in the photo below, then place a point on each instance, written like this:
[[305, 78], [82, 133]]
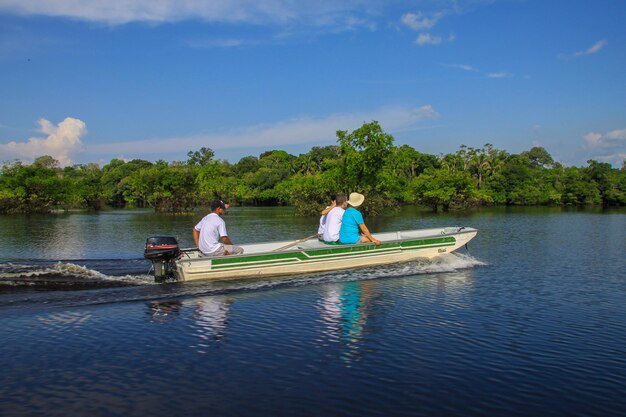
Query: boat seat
[[311, 245]]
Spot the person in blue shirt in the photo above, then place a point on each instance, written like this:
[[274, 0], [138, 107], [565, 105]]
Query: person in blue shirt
[[353, 228]]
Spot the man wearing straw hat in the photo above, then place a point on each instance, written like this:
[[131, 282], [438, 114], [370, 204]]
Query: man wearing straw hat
[[353, 228]]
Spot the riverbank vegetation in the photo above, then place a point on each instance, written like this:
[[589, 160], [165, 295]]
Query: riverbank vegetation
[[364, 160]]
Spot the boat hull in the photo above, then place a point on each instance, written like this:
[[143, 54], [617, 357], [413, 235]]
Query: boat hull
[[269, 259]]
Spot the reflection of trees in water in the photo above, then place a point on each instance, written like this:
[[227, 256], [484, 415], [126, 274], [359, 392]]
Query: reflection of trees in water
[[211, 318], [344, 314]]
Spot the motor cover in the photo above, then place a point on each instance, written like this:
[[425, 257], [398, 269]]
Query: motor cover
[[161, 248]]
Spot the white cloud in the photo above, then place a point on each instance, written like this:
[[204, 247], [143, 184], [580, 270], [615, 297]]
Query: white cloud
[[608, 147], [428, 39], [611, 139], [499, 75], [418, 21], [469, 68], [593, 138], [617, 134], [464, 67], [422, 22], [597, 47], [594, 49], [304, 130], [61, 142], [116, 12], [616, 159], [425, 112]]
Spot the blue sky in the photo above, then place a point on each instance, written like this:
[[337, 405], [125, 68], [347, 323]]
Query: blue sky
[[90, 81]]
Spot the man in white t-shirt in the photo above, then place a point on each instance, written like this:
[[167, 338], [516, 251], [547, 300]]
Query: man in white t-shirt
[[210, 233], [333, 220]]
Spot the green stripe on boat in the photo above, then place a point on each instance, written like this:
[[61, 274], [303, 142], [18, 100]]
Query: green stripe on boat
[[342, 251]]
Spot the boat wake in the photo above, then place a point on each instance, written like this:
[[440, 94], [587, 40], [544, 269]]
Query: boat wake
[[71, 275], [122, 273], [21, 284]]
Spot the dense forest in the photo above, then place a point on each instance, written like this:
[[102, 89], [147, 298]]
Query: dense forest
[[364, 160]]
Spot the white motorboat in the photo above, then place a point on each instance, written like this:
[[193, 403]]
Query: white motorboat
[[302, 256]]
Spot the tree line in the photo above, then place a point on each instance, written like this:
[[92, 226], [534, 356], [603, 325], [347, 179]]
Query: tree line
[[364, 160]]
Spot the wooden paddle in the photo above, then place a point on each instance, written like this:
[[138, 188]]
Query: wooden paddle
[[295, 243]]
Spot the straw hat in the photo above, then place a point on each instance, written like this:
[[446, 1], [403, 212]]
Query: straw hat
[[356, 199]]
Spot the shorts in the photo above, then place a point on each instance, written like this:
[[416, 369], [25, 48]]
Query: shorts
[[231, 249]]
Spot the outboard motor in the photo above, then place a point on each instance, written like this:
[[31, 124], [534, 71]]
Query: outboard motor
[[163, 252]]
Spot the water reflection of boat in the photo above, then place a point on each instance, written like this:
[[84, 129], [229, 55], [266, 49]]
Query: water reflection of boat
[[344, 311], [211, 316], [162, 311], [288, 257]]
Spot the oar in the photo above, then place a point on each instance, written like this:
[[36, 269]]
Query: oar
[[295, 243]]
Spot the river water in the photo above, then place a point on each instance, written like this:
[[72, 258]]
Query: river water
[[529, 321]]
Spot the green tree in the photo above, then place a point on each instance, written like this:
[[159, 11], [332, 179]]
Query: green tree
[[83, 186], [325, 154], [246, 164], [35, 188], [577, 188], [200, 158], [114, 181], [445, 189], [306, 164], [405, 162], [364, 160], [274, 166], [609, 181], [214, 181], [539, 157], [12, 190], [527, 183], [164, 188], [364, 153], [308, 193]]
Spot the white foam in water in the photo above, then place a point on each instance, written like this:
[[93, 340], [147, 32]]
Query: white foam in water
[[84, 272], [454, 262], [20, 274], [449, 263], [77, 270], [443, 264], [68, 273], [60, 268]]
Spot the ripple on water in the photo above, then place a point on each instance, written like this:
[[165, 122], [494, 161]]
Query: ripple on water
[[425, 338]]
